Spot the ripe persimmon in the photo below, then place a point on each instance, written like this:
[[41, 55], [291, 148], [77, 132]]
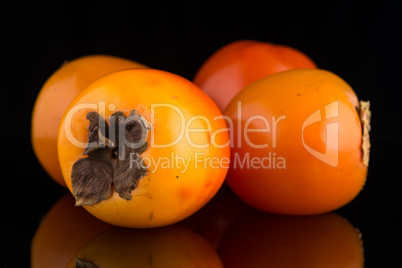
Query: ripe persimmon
[[300, 142], [143, 148], [236, 65], [171, 246], [57, 92], [258, 239]]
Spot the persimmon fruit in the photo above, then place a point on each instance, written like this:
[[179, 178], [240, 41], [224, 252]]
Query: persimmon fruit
[[236, 65], [300, 142], [54, 97], [143, 148]]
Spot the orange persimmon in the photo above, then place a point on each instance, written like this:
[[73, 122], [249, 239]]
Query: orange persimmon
[[143, 148], [236, 65], [57, 92], [300, 142]]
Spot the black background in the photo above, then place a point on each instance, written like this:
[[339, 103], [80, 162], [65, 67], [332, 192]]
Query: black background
[[358, 40]]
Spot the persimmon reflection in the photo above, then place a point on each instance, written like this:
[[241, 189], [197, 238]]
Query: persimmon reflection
[[215, 217], [258, 239], [172, 246], [63, 231]]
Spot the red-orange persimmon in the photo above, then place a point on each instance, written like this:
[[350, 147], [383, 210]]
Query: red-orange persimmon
[[240, 63]]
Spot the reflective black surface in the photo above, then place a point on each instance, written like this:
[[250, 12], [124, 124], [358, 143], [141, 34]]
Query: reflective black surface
[[357, 40]]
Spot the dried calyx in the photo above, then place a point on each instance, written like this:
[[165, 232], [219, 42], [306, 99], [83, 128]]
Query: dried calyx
[[113, 158], [365, 118], [80, 263]]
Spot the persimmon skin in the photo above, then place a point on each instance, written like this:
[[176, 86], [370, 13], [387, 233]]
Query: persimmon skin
[[258, 239], [302, 184], [165, 195], [54, 97], [64, 230], [236, 65]]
